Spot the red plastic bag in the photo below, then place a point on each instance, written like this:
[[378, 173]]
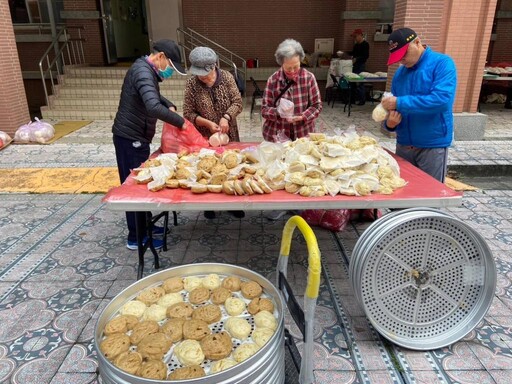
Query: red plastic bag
[[365, 214], [178, 140], [331, 219]]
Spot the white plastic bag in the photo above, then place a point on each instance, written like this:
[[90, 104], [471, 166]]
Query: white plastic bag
[[38, 131], [218, 139], [285, 108]]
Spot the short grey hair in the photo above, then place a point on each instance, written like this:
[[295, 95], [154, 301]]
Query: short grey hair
[[288, 49]]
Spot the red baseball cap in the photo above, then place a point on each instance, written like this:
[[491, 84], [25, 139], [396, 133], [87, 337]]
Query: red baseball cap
[[357, 31], [399, 41]]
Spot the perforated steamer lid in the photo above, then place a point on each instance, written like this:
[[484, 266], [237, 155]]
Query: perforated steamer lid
[[425, 279]]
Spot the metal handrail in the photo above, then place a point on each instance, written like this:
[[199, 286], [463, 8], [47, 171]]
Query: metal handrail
[[225, 55], [74, 49]]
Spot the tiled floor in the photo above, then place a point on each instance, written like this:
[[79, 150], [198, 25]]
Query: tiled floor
[[63, 258]]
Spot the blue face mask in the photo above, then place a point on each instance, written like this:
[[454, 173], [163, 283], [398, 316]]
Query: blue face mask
[[166, 73]]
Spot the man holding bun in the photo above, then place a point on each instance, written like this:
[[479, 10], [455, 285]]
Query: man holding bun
[[420, 110]]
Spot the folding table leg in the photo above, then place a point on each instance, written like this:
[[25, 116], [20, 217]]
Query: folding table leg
[[140, 223]]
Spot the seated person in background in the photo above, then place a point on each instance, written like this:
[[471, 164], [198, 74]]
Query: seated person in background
[[212, 100]]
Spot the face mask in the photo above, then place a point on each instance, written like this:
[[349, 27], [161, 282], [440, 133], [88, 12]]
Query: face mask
[[292, 75], [166, 73]]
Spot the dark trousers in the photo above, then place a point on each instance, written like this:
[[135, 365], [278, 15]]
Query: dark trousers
[[129, 154], [360, 91]]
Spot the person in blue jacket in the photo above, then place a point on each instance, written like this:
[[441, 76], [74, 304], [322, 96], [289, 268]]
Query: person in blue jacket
[[420, 110]]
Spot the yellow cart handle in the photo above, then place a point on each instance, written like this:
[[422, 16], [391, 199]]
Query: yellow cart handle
[[314, 268], [313, 286]]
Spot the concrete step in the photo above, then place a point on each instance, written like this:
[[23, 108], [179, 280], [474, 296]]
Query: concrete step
[[99, 103], [110, 92], [110, 82]]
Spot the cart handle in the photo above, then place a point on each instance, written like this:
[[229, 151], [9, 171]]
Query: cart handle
[[314, 268]]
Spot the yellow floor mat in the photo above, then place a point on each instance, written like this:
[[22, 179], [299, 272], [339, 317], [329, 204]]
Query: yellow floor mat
[[458, 186], [58, 180], [63, 128]]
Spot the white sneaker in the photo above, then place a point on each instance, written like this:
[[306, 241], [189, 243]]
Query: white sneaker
[[275, 215]]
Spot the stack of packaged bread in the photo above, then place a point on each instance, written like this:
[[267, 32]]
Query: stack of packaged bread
[[316, 165]]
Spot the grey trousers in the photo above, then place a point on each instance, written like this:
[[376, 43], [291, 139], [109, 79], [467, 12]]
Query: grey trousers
[[433, 161]]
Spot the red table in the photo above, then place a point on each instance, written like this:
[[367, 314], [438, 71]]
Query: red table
[[422, 190]]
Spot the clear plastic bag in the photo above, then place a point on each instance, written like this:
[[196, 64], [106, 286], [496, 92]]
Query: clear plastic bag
[[218, 139], [38, 131], [379, 112], [285, 108]]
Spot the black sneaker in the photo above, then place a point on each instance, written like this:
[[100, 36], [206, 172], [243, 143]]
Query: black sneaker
[[237, 214], [210, 214]]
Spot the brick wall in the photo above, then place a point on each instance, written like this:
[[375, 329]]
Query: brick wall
[[94, 50], [254, 29], [13, 102]]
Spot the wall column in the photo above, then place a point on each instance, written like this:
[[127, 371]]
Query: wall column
[[13, 101], [462, 30]]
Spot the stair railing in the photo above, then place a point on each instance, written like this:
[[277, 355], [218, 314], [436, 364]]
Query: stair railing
[[188, 39], [64, 50]]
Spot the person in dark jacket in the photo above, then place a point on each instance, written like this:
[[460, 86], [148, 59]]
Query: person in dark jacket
[[420, 110], [140, 105], [360, 54]]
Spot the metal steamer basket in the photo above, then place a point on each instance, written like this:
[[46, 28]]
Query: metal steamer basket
[[265, 366], [424, 278]]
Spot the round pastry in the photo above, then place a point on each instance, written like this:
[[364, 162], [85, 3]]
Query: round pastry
[[151, 295], [239, 190], [199, 188], [210, 313], [251, 289], [153, 369], [228, 187], [217, 346], [260, 304], [144, 328], [173, 328], [222, 365], [180, 310], [244, 351], [112, 346], [219, 295], [120, 324], [234, 306], [154, 346], [199, 295], [195, 329], [170, 299], [214, 188], [238, 327], [230, 160], [232, 283], [211, 281], [135, 308], [174, 284], [189, 352], [207, 163], [264, 319], [261, 336], [192, 282], [192, 372], [129, 362], [154, 312], [172, 183]]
